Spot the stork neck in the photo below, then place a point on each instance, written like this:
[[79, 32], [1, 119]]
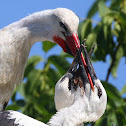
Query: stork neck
[[69, 116], [37, 25]]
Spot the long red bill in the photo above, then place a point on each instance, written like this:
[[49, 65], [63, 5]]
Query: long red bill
[[73, 43], [70, 46]]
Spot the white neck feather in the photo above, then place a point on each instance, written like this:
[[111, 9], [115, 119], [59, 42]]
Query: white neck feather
[[44, 25], [37, 26]]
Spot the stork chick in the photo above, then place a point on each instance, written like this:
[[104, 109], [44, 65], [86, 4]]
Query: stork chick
[[73, 93]]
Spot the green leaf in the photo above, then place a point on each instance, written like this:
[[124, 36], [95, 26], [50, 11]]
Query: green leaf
[[111, 90], [21, 88], [33, 79], [120, 17], [118, 57], [91, 40], [14, 95], [60, 63], [111, 103], [47, 45], [66, 55], [13, 107], [101, 122], [103, 9], [111, 118], [21, 102], [101, 51], [115, 4], [120, 118], [123, 91], [107, 22], [34, 76], [114, 97], [117, 28], [32, 62], [53, 76], [45, 82], [41, 109], [93, 10], [84, 29]]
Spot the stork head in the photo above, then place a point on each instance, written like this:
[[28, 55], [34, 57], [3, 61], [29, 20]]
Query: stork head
[[58, 25], [65, 26]]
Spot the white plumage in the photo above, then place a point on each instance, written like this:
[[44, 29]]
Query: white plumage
[[13, 118], [81, 104], [17, 39]]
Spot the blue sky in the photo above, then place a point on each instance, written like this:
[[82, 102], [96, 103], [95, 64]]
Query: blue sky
[[13, 10]]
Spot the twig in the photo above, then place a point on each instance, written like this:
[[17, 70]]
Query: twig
[[112, 63]]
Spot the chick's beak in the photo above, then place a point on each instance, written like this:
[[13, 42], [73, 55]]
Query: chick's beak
[[89, 64]]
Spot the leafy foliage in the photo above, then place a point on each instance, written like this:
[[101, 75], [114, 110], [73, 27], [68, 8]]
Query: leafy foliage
[[47, 45], [110, 35]]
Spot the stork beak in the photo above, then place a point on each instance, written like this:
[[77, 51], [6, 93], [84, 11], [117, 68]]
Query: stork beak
[[89, 64], [78, 60], [71, 45]]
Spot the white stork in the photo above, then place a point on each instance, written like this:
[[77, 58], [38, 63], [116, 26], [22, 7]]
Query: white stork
[[75, 100], [74, 93], [59, 25]]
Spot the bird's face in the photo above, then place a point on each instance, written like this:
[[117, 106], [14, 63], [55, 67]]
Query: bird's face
[[65, 34]]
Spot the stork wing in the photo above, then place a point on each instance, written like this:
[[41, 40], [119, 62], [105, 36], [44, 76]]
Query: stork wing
[[13, 118]]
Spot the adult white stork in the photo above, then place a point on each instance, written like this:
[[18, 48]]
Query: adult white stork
[[59, 25], [75, 100]]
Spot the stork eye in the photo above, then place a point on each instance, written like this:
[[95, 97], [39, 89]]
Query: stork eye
[[63, 26]]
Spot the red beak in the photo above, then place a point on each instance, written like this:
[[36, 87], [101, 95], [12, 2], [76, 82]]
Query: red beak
[[70, 46]]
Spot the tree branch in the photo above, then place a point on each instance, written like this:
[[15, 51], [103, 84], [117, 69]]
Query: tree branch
[[112, 63]]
